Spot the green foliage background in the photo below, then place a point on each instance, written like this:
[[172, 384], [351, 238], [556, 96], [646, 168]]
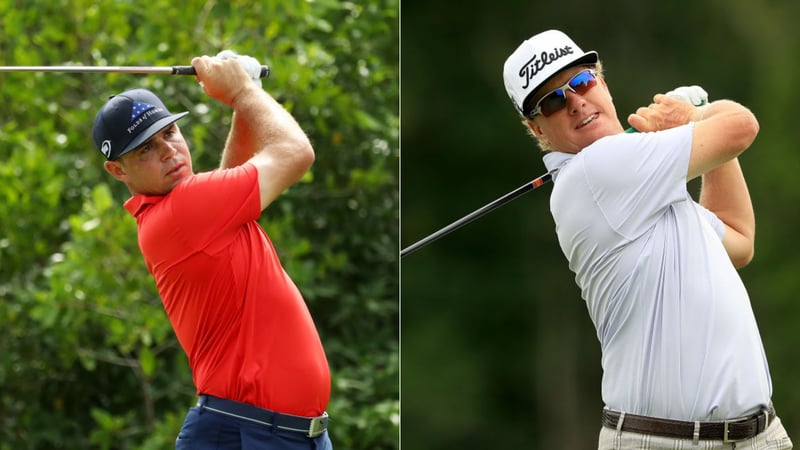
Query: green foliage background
[[87, 357], [498, 351]]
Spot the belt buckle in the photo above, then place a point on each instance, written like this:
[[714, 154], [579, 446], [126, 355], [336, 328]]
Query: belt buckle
[[318, 425], [725, 429], [725, 438]]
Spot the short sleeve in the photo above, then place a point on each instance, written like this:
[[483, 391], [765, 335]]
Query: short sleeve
[[634, 177]]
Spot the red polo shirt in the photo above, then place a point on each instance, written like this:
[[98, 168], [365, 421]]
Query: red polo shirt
[[239, 317]]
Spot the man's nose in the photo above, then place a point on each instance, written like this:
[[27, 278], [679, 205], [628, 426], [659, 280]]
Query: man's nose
[[167, 150], [574, 101]]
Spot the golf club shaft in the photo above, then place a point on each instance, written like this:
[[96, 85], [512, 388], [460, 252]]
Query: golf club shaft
[[167, 70], [477, 213]]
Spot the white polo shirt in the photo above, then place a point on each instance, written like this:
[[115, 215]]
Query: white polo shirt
[[678, 336]]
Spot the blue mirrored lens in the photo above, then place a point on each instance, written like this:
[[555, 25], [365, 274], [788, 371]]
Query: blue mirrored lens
[[557, 99], [553, 102], [581, 82]]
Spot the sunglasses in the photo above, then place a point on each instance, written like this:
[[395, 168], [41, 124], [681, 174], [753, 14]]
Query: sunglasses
[[556, 99]]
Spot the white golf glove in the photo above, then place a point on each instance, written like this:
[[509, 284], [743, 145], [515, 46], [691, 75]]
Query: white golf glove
[[695, 95], [248, 63]]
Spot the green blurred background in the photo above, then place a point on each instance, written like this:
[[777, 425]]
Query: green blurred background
[[87, 357], [497, 347]]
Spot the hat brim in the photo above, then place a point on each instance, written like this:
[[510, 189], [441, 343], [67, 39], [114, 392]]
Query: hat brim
[[151, 131], [585, 59]]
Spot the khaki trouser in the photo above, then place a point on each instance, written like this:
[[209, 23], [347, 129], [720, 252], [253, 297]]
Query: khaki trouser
[[773, 438]]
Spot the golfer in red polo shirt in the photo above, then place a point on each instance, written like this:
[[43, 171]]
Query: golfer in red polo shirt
[[256, 358]]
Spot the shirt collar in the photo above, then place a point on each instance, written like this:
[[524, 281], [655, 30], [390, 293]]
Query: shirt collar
[[554, 161], [136, 204]]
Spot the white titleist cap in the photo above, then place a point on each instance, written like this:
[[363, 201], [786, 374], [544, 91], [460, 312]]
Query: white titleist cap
[[536, 60]]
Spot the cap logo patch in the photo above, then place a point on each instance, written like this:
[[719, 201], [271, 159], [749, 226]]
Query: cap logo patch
[[106, 148], [540, 61], [141, 112], [139, 108]]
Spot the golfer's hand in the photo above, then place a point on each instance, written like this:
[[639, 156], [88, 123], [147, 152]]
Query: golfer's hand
[[249, 64], [664, 113], [695, 95], [222, 79]]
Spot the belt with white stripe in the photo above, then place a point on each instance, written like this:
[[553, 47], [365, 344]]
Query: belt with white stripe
[[310, 426]]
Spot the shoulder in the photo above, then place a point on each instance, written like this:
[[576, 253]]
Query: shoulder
[[215, 183], [632, 146], [218, 174]]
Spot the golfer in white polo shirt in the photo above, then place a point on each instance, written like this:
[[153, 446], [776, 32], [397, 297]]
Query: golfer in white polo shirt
[[683, 362]]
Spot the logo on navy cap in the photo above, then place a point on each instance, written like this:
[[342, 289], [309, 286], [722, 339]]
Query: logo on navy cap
[[140, 112], [106, 148]]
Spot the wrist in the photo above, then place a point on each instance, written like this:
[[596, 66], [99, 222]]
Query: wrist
[[699, 113], [245, 92]]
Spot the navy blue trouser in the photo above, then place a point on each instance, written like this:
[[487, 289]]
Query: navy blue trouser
[[209, 430]]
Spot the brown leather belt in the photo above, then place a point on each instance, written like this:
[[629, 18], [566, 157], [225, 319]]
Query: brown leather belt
[[727, 431]]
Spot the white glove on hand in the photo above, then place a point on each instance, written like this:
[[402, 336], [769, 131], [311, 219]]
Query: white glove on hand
[[248, 63], [695, 95]]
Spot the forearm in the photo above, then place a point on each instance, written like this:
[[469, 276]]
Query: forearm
[[260, 124], [724, 192]]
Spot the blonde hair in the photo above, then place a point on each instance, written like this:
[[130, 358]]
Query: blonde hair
[[543, 143]]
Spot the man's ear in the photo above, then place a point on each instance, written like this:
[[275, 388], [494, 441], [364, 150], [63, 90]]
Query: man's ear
[[536, 130], [116, 170]]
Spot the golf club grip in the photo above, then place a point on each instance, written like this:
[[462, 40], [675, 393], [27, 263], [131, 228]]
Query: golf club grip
[[189, 70], [527, 187]]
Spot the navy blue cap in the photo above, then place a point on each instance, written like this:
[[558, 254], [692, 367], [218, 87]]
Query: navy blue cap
[[127, 120]]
